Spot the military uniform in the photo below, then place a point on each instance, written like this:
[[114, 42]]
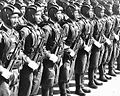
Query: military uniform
[[53, 35], [9, 40], [104, 53], [81, 62], [70, 32], [116, 33], [111, 37], [30, 78]]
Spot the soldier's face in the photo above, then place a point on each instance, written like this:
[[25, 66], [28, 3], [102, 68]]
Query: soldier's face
[[76, 14], [102, 13], [14, 20], [38, 17], [111, 9], [59, 15], [91, 13]]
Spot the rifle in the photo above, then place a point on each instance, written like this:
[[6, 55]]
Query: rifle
[[101, 38], [59, 43], [59, 52], [75, 48], [90, 39], [89, 44], [38, 52], [15, 56], [111, 32]]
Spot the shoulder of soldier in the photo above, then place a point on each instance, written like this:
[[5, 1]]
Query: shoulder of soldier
[[26, 30], [47, 28], [82, 21], [66, 25], [4, 35]]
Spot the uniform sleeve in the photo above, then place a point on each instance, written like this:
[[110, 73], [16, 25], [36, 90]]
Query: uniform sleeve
[[48, 37], [70, 35], [24, 32], [65, 29], [28, 40], [96, 32]]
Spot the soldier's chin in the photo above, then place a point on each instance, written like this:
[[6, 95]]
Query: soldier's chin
[[38, 22], [14, 25]]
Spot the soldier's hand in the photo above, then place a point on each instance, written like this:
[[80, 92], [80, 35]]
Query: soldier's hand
[[21, 54], [53, 58], [5, 73], [72, 53], [33, 65]]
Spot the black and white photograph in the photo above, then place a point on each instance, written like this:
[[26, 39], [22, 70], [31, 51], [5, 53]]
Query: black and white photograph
[[59, 47]]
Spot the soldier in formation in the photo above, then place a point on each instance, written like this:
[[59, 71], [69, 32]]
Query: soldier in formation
[[46, 42]]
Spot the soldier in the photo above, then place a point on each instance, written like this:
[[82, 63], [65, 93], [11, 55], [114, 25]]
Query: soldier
[[82, 56], [30, 78], [109, 12], [101, 28], [36, 11], [10, 37], [115, 10], [108, 46], [103, 54], [70, 28], [63, 4], [118, 62], [89, 15], [52, 46]]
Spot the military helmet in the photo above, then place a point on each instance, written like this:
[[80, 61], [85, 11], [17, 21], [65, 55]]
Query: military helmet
[[7, 12], [97, 10], [53, 10], [85, 10], [62, 3], [70, 9], [20, 5], [2, 5], [94, 3], [41, 3], [31, 11]]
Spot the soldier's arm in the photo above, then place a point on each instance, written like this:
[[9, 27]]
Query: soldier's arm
[[96, 36], [27, 45], [69, 29], [47, 52]]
